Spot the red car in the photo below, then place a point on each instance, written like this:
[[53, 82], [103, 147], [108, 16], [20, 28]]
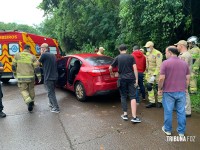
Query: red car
[[86, 75]]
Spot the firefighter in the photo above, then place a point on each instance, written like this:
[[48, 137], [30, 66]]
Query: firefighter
[[24, 64], [195, 52], [186, 56], [154, 60], [101, 51]]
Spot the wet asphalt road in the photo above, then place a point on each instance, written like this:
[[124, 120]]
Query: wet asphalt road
[[93, 125]]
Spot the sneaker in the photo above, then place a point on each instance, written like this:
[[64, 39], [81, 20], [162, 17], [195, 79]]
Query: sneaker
[[136, 120], [166, 132], [124, 117], [54, 110], [2, 114], [30, 106]]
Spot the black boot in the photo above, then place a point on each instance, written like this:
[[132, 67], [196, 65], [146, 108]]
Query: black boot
[[159, 105], [30, 106], [188, 115], [2, 114], [151, 105]]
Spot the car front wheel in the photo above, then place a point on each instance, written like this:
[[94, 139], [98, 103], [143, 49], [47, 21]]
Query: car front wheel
[[80, 92]]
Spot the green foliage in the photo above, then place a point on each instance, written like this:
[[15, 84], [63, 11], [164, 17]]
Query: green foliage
[[110, 23], [142, 21], [195, 98], [88, 48], [19, 27], [85, 22]]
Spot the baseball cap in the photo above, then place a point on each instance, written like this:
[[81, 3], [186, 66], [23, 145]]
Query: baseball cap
[[101, 48], [181, 42], [149, 43]]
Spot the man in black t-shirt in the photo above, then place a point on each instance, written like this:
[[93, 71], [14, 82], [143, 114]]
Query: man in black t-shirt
[[127, 82], [49, 65]]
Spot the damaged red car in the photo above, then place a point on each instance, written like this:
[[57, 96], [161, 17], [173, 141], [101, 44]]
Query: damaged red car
[[87, 75]]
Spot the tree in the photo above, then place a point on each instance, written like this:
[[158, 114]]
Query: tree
[[82, 22], [145, 20], [77, 23], [19, 27]]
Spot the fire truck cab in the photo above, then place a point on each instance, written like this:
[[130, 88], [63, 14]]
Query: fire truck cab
[[12, 42]]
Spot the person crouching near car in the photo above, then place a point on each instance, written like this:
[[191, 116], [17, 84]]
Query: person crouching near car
[[127, 82], [173, 84]]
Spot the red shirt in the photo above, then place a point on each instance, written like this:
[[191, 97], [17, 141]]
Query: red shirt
[[140, 60]]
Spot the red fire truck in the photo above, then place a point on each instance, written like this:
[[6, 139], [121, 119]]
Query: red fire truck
[[12, 42]]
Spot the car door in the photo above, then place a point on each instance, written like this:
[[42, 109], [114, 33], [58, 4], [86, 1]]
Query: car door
[[71, 74], [62, 71]]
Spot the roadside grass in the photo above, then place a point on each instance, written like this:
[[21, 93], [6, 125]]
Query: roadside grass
[[195, 98]]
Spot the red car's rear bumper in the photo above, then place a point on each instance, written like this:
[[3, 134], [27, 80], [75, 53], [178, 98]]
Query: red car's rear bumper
[[102, 88]]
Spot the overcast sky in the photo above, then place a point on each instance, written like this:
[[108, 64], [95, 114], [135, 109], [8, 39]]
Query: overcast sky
[[21, 11]]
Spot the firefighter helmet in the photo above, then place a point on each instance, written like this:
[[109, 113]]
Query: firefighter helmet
[[193, 40]]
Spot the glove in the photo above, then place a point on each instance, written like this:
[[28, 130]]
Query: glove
[[149, 86], [152, 79]]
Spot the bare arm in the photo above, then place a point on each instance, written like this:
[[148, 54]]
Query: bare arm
[[160, 84], [111, 72], [110, 69], [136, 73]]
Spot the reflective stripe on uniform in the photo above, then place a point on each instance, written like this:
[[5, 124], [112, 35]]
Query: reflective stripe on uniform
[[24, 62], [18, 76]]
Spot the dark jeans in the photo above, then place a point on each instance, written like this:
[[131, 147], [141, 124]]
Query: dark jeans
[[50, 87], [126, 88], [137, 95], [1, 96], [141, 84]]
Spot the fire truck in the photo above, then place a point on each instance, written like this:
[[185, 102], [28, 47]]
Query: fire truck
[[12, 42]]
